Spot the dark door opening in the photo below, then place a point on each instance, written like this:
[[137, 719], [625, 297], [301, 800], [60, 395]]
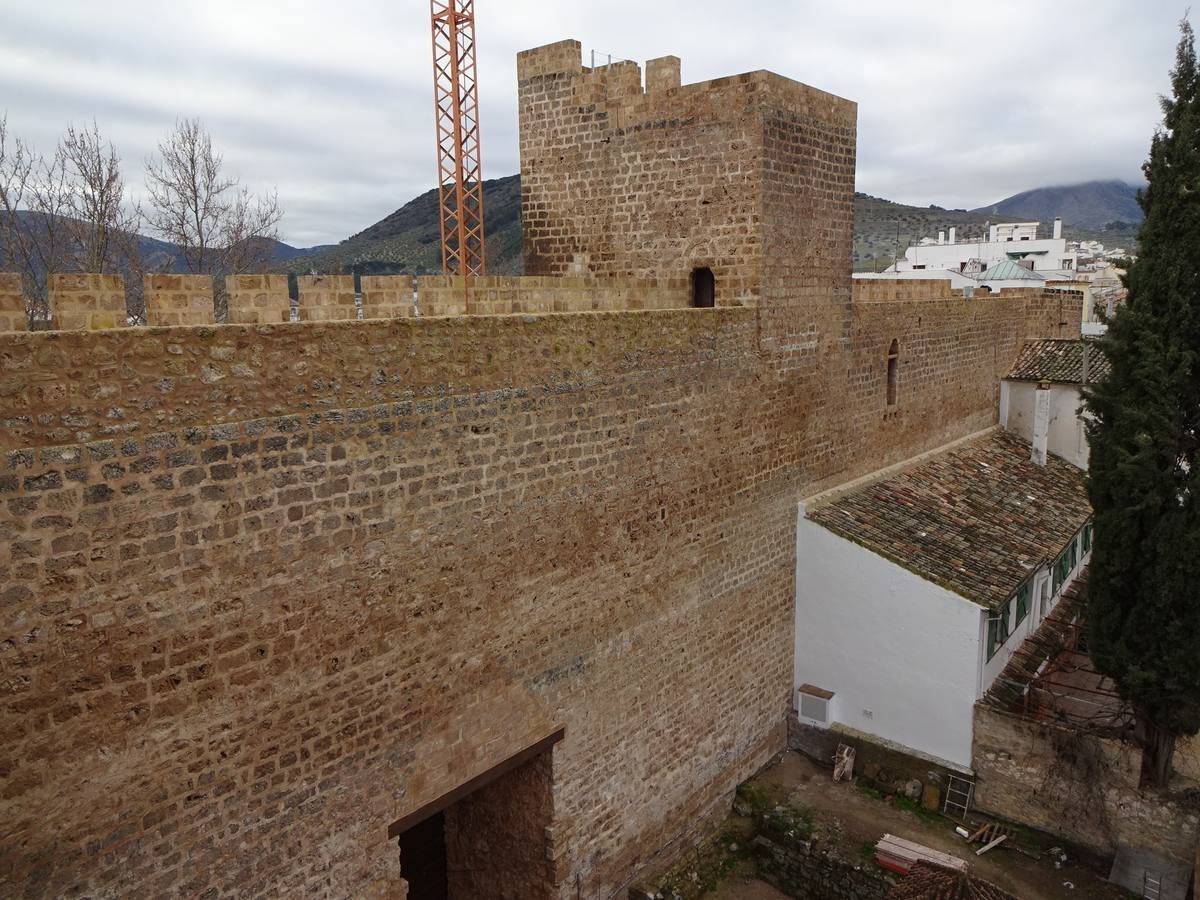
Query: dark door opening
[[423, 859], [486, 839], [704, 288]]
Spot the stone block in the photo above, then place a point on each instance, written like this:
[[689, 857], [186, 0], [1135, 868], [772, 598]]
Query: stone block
[[179, 299], [662, 74], [931, 797], [12, 303], [257, 299], [87, 302]]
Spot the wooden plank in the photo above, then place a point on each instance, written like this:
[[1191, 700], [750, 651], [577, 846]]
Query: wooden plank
[[995, 843], [913, 852]]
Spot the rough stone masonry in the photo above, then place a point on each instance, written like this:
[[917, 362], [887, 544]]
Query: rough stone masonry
[[272, 592]]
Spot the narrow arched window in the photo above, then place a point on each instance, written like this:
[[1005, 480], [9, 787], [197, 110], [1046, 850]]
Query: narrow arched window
[[704, 288], [893, 373]]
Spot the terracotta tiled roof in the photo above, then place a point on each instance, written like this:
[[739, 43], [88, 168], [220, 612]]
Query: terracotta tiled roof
[[926, 882], [977, 519], [1059, 361]]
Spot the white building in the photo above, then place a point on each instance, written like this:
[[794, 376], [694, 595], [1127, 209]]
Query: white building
[[1050, 374], [1016, 241], [913, 589]]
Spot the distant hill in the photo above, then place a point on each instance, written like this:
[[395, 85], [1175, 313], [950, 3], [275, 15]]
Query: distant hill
[[161, 256], [1092, 204], [407, 241]]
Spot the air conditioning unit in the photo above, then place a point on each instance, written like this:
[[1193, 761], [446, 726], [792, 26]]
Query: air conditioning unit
[[812, 705]]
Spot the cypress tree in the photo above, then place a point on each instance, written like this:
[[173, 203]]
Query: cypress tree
[[1144, 584]]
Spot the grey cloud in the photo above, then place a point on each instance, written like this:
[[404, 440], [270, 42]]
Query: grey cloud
[[959, 104]]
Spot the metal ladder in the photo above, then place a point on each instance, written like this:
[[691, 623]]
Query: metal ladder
[[1151, 885], [958, 797]]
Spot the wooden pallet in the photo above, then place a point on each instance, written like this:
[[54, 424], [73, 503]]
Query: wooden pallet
[[990, 834], [899, 855]]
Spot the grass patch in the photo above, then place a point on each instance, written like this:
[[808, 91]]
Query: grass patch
[[754, 797], [929, 816], [867, 791], [779, 820], [705, 867]]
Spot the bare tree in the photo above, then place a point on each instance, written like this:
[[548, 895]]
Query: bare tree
[[66, 212], [35, 199], [16, 171], [219, 226], [105, 225]]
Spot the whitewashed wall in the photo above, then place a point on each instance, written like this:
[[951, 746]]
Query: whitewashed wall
[[887, 642], [1050, 255], [1067, 439]]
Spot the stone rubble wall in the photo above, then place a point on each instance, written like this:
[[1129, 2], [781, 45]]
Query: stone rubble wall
[[1023, 777], [817, 872]]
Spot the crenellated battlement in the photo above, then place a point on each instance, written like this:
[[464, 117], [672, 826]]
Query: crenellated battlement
[[97, 302]]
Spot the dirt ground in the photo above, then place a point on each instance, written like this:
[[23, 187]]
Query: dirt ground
[[860, 819], [738, 887]]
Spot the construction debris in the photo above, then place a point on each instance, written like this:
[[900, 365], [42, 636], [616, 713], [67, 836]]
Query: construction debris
[[843, 763], [995, 842], [899, 855]]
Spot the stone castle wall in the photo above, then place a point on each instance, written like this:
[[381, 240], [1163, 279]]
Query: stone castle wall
[[267, 588], [93, 302], [222, 546]]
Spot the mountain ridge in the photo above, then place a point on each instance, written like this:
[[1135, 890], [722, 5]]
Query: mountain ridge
[[408, 240], [1086, 204]]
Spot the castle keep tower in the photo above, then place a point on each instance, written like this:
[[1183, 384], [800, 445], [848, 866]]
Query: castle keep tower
[[750, 177]]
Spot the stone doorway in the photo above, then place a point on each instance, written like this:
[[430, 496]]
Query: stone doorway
[[704, 288], [485, 840], [423, 851]]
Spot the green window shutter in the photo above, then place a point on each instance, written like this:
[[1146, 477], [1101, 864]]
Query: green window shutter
[[1023, 602], [1087, 537], [1061, 569], [1074, 554]]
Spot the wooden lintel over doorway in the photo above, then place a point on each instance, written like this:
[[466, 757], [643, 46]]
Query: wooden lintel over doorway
[[436, 806]]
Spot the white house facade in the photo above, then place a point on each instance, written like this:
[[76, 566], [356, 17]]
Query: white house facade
[[912, 591], [1016, 241]]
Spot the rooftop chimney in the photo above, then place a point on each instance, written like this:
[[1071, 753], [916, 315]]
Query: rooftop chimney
[[992, 233], [1057, 227], [1041, 423], [953, 231]]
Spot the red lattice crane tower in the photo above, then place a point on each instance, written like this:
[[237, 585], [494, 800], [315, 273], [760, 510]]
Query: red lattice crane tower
[[456, 105]]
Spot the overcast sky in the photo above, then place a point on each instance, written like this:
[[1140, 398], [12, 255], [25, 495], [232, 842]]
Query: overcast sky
[[960, 102]]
